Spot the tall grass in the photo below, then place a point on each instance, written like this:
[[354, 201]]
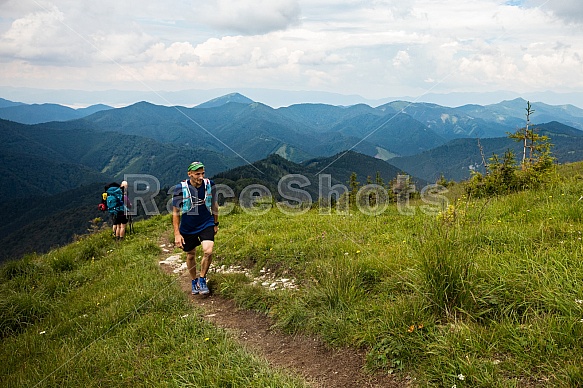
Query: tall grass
[[487, 293]]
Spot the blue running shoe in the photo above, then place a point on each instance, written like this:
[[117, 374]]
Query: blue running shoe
[[202, 287], [195, 289]]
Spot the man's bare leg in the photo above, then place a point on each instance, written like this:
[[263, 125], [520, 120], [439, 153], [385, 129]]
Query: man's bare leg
[[191, 263], [207, 257]]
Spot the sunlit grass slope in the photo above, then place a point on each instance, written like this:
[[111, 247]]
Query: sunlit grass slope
[[101, 314], [471, 293], [475, 293]]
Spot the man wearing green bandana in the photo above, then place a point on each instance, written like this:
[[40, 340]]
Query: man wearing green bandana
[[195, 217]]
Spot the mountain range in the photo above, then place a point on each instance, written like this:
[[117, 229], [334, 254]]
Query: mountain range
[[457, 158], [238, 127], [50, 152], [42, 113], [273, 97]]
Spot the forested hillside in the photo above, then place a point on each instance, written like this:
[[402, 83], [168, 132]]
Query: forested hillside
[[243, 142]]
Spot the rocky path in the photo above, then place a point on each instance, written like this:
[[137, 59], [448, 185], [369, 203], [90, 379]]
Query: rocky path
[[309, 357]]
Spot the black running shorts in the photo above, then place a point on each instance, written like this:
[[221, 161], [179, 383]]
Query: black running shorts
[[191, 241], [119, 218]]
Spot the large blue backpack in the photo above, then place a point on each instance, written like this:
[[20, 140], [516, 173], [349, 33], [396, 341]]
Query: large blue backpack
[[114, 200]]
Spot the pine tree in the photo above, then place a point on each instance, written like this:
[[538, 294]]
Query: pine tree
[[503, 177]]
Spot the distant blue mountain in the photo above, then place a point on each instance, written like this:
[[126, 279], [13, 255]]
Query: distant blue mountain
[[234, 125], [7, 103], [43, 113], [92, 109], [512, 113], [219, 101], [455, 159]]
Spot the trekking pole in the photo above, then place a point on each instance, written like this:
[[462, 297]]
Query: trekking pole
[[130, 219]]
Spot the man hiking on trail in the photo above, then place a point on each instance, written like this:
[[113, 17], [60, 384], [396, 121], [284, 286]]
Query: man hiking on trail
[[195, 217]]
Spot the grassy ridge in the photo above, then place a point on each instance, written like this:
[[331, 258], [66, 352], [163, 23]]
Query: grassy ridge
[[98, 314], [487, 293], [481, 293]]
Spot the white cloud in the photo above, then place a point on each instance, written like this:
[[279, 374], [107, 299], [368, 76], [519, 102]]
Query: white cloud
[[401, 59], [225, 52], [370, 48], [51, 35], [568, 10], [249, 16], [181, 53], [34, 36]]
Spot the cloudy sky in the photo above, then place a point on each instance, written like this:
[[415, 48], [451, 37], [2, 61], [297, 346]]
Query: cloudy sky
[[374, 48]]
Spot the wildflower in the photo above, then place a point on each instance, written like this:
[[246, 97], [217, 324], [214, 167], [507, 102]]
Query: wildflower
[[461, 377], [184, 316], [42, 332], [206, 339], [357, 252], [410, 329], [579, 301]]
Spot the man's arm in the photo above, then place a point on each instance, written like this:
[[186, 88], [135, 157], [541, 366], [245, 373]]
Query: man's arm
[[178, 240], [215, 208], [215, 205]]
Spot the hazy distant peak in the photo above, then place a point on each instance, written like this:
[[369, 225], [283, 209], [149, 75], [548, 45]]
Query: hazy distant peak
[[7, 103], [93, 108], [227, 98]]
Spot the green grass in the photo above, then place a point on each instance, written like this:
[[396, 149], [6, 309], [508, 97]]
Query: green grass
[[97, 314], [488, 293]]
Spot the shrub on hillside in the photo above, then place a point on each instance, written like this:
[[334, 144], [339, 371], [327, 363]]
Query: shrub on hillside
[[506, 176]]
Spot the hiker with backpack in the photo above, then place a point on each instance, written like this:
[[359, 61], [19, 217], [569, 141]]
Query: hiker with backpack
[[195, 217], [115, 201]]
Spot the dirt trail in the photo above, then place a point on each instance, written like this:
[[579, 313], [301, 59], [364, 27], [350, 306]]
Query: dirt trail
[[309, 357]]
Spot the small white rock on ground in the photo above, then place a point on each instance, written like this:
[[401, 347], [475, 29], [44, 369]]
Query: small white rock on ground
[[266, 279]]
